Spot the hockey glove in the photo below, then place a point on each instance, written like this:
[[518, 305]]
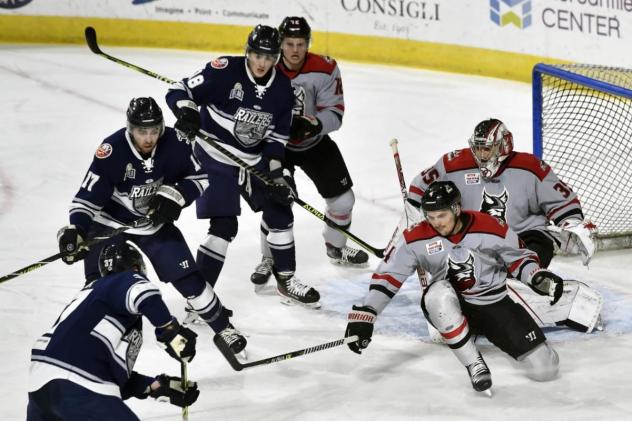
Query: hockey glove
[[178, 341], [360, 323], [69, 238], [305, 126], [283, 189], [576, 237], [165, 206], [188, 119], [545, 282], [171, 387]]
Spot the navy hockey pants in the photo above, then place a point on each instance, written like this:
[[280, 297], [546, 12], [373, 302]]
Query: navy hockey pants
[[63, 400]]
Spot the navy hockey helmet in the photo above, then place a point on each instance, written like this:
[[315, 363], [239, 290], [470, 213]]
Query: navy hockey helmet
[[441, 195], [295, 27], [120, 257], [264, 40], [144, 112], [491, 134]]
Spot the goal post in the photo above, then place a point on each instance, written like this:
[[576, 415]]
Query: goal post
[[582, 127]]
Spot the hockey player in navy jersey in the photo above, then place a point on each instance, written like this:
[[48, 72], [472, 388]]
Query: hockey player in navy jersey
[[82, 368], [318, 110], [524, 192], [244, 104], [469, 255], [142, 170]]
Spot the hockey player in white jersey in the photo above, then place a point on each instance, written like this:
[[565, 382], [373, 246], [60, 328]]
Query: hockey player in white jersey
[[524, 192], [83, 367], [318, 110], [469, 254]]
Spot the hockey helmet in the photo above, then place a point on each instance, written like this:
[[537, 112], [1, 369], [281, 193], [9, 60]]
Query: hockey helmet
[[295, 27], [144, 112], [120, 257], [491, 134], [441, 195], [264, 40]]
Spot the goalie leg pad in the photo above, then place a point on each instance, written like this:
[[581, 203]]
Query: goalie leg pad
[[585, 308], [541, 363]]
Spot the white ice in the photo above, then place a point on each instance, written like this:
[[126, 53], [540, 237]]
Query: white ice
[[58, 103]]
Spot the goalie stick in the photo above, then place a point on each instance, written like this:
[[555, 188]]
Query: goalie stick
[[238, 366], [88, 243], [91, 40]]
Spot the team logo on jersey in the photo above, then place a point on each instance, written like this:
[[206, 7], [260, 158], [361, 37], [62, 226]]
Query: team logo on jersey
[[103, 151], [130, 172], [134, 341], [434, 247], [472, 178], [251, 126], [461, 274], [219, 63], [299, 100], [142, 194], [496, 206], [237, 92]]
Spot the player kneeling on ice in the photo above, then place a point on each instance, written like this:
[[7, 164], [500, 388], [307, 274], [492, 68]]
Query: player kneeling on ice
[[525, 193], [82, 368], [469, 255]]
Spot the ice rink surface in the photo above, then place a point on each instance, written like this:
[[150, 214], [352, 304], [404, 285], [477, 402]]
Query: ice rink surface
[[58, 103]]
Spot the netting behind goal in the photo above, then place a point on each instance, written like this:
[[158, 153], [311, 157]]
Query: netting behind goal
[[582, 127]]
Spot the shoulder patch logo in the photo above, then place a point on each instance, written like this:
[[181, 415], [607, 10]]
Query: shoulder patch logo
[[237, 92], [219, 63], [434, 247], [104, 150]]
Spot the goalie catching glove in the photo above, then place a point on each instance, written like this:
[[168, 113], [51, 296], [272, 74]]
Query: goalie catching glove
[[576, 237], [545, 282], [178, 341], [360, 323], [165, 205], [69, 239], [171, 387]]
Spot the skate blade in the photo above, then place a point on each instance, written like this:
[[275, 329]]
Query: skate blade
[[337, 262], [242, 356], [292, 302], [488, 393]]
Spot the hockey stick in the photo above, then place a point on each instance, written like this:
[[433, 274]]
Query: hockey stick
[[91, 39], [86, 244], [238, 366], [184, 383], [423, 277]]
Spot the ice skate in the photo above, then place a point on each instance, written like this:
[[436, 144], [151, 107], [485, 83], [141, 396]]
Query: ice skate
[[292, 291], [480, 376], [262, 273], [347, 256], [234, 339]]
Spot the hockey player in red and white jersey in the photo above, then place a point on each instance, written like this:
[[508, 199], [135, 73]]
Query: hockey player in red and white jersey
[[318, 111], [519, 189], [469, 254]]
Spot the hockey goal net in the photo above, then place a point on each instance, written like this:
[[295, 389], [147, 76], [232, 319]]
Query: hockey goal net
[[582, 127]]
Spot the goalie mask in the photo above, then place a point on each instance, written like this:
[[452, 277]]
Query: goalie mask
[[491, 144], [119, 258]]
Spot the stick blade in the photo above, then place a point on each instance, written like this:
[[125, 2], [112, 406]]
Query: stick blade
[[227, 353], [91, 39]]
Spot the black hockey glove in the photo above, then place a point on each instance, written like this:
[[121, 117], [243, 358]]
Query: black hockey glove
[[360, 323], [165, 205], [69, 238], [545, 282], [178, 341], [305, 126], [283, 189], [188, 121], [171, 387]]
